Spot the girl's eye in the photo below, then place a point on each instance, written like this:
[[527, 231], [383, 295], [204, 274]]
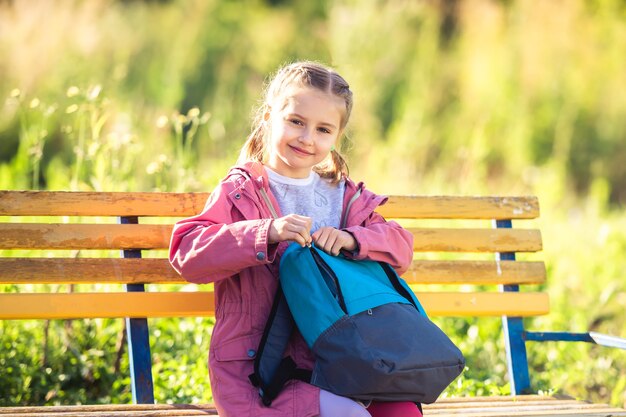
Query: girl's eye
[[296, 122], [324, 130]]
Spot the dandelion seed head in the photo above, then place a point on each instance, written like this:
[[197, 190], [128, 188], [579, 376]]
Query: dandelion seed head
[[193, 112], [16, 93], [71, 108], [152, 168], [162, 121], [72, 91], [94, 92], [205, 118], [34, 103]]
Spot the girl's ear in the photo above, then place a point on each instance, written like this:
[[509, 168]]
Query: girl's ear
[[268, 113]]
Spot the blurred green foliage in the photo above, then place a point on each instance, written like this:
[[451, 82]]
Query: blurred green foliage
[[476, 97]]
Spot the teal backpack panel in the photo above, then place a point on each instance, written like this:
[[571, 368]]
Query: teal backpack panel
[[320, 298], [363, 285]]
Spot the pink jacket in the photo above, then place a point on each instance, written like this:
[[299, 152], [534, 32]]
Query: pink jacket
[[227, 244]]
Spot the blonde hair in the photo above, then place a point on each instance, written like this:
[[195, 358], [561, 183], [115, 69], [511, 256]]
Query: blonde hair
[[301, 74]]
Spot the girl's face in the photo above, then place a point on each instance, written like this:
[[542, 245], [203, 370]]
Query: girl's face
[[304, 126]]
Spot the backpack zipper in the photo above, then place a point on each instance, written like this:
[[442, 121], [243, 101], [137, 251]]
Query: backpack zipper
[[327, 272]]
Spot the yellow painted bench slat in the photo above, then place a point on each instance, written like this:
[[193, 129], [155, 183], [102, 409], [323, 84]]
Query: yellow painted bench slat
[[157, 270], [55, 203], [201, 303], [475, 240], [156, 236], [504, 406]]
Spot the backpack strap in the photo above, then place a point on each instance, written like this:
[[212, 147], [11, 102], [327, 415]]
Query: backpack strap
[[271, 369]]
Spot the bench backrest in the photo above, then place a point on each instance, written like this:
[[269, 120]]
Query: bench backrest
[[120, 227]]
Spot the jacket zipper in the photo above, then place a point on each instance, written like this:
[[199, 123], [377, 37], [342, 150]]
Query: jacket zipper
[[268, 202], [344, 217]]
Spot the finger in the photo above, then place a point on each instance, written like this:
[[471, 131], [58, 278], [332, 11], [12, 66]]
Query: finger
[[330, 243], [334, 244], [321, 237], [336, 248], [303, 232], [304, 221], [294, 236], [297, 237], [302, 226]]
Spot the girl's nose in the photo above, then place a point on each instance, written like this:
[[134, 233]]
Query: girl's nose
[[305, 136]]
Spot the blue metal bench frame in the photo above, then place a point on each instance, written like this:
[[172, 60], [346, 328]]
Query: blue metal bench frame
[[515, 337]]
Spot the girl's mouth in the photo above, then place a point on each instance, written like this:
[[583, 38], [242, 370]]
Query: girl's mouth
[[300, 151]]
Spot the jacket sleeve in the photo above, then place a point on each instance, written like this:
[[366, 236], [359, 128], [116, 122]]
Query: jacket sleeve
[[379, 239], [214, 245]]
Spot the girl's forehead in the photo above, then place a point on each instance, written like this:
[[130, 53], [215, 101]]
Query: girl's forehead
[[311, 99]]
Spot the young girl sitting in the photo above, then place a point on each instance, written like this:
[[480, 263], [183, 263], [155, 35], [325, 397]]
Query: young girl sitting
[[289, 165]]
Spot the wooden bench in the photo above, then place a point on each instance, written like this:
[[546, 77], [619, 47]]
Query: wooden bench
[[103, 221]]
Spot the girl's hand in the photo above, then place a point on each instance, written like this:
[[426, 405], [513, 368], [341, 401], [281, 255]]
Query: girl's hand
[[291, 227], [332, 240]]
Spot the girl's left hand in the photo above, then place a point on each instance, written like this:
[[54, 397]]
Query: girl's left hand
[[332, 240]]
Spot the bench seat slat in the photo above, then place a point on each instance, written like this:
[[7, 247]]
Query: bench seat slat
[[151, 236], [503, 406], [185, 304], [58, 203], [158, 270]]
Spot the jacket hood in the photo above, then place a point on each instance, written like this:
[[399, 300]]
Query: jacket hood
[[249, 170]]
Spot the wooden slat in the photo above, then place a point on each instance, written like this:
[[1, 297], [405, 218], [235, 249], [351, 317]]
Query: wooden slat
[[84, 236], [503, 406], [475, 272], [93, 409], [110, 408], [520, 406], [149, 236], [67, 203], [63, 203], [484, 304], [87, 271], [106, 305], [459, 207], [476, 240], [183, 304], [149, 270]]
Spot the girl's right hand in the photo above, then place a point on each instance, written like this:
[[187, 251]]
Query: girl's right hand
[[291, 227]]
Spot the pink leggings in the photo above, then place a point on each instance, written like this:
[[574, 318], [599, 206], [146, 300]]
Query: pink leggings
[[332, 405]]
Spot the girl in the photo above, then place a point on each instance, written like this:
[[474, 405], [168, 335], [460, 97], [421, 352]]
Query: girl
[[288, 165]]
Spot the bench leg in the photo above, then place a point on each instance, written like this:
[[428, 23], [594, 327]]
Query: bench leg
[[138, 334], [514, 333], [140, 361], [516, 355]]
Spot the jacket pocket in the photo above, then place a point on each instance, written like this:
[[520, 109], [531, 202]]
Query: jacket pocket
[[241, 348]]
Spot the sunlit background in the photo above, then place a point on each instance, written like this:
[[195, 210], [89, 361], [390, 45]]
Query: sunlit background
[[451, 97]]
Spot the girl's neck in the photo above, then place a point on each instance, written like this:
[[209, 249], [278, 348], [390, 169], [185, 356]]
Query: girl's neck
[[275, 176]]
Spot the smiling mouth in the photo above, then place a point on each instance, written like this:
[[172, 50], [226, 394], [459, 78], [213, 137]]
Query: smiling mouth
[[300, 151]]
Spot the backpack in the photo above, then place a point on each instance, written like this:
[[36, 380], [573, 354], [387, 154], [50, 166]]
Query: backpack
[[370, 336]]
